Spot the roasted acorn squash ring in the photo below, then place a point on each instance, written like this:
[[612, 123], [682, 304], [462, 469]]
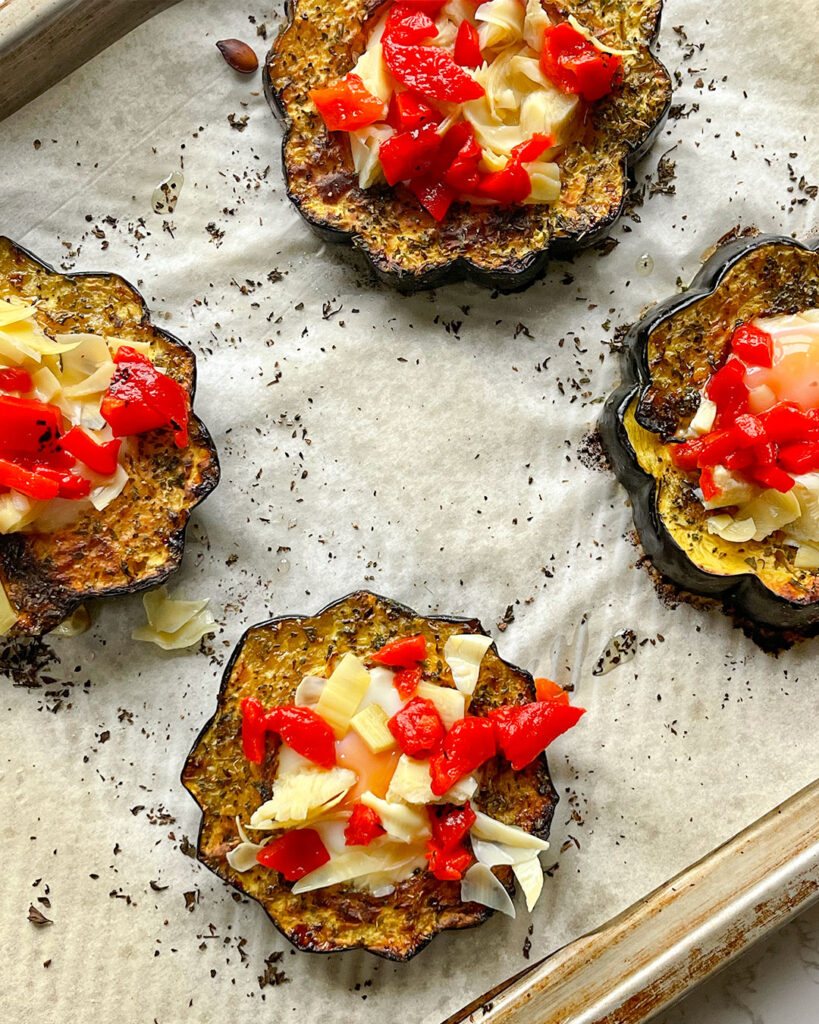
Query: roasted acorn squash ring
[[138, 540], [268, 663], [677, 343], [500, 247]]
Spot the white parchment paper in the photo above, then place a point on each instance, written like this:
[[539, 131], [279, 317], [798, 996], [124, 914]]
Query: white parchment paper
[[425, 447]]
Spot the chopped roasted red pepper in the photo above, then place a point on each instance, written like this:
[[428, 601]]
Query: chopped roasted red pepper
[[31, 482], [300, 728], [417, 727], [545, 689], [570, 61], [448, 866], [686, 453], [306, 732], [364, 826], [14, 379], [771, 477], [409, 112], [468, 46], [727, 389], [407, 24], [707, 485], [431, 71], [753, 345], [524, 731], [526, 152], [801, 457], [432, 194], [348, 105], [29, 427], [509, 186], [253, 730], [404, 651], [463, 173], [102, 458], [786, 423], [407, 155], [406, 681], [295, 854], [70, 485], [468, 744], [450, 824], [141, 398]]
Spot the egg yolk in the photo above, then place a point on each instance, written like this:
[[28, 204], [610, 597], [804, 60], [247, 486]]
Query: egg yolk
[[374, 771]]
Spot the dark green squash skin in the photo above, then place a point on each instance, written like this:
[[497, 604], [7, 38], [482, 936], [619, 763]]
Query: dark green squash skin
[[745, 596], [535, 803], [509, 275], [48, 600]]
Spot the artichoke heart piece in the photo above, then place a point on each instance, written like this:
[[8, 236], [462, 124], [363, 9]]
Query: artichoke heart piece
[[343, 693], [303, 794], [371, 725]]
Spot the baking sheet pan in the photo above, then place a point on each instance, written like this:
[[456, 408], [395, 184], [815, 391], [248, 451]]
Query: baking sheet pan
[[432, 448]]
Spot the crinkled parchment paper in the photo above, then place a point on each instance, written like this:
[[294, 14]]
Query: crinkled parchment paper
[[430, 448]]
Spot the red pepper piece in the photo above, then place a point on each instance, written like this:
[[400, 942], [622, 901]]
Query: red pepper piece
[[727, 389], [468, 744], [739, 460], [545, 689], [102, 458], [526, 152], [507, 187], [364, 826], [525, 730], [417, 727], [253, 730], [300, 728], [707, 486], [14, 379], [786, 423], [570, 61], [435, 197], [408, 24], [450, 824], [765, 453], [463, 174], [715, 447], [771, 477], [468, 46], [31, 482], [686, 453], [801, 457], [409, 112], [347, 105], [431, 71], [752, 345], [141, 398], [29, 427], [306, 732], [70, 485], [295, 854], [408, 155], [406, 681], [404, 651], [448, 866]]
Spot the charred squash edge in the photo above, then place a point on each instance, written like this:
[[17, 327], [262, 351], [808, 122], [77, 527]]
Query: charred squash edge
[[510, 279], [544, 776], [66, 602], [744, 595]]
